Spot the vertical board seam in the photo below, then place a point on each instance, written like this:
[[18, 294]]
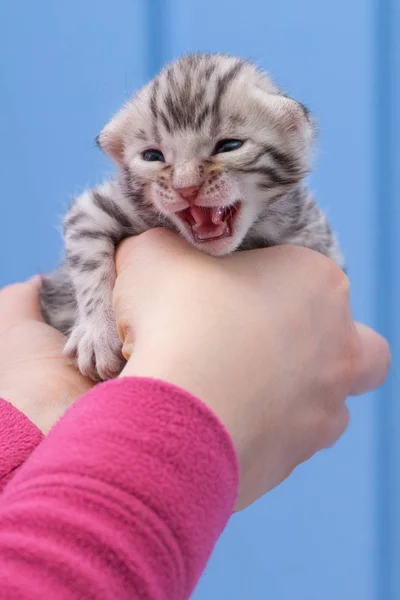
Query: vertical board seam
[[156, 35], [384, 265]]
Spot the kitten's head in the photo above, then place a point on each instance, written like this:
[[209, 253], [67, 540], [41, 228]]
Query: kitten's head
[[213, 142]]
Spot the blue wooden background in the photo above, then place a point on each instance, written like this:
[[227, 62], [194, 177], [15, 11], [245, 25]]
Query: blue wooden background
[[333, 529]]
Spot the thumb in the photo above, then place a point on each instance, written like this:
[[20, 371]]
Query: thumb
[[20, 302], [374, 360]]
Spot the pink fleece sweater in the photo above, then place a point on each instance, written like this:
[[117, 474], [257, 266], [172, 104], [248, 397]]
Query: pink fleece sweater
[[124, 499]]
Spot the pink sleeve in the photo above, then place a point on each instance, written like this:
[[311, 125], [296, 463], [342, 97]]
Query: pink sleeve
[[125, 498], [18, 438]]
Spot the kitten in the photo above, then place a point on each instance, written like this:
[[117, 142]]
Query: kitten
[[210, 148]]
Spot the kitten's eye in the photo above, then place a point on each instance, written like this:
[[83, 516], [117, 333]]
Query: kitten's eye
[[153, 155], [227, 146]]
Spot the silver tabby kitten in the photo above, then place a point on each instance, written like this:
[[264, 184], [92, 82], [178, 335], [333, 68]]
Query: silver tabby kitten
[[210, 148]]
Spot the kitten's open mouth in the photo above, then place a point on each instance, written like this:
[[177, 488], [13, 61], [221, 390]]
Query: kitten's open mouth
[[210, 223]]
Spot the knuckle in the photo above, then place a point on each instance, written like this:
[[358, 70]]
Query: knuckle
[[156, 238], [331, 426], [324, 273], [332, 416], [335, 278], [151, 236], [339, 426], [352, 358], [345, 418], [13, 289], [327, 272]]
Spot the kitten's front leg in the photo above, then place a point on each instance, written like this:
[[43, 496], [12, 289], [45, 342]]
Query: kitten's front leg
[[92, 229], [94, 341]]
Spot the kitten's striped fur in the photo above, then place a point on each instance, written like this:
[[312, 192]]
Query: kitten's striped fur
[[184, 113]]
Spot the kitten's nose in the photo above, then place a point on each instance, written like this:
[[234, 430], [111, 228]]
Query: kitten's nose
[[188, 193]]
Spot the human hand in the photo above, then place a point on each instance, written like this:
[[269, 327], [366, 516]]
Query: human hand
[[265, 338], [34, 375]]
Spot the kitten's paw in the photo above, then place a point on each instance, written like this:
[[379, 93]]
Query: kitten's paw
[[96, 348]]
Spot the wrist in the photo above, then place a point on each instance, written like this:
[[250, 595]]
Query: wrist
[[175, 372], [215, 392]]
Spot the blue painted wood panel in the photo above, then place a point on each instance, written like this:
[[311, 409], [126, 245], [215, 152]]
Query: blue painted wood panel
[[314, 537], [65, 67]]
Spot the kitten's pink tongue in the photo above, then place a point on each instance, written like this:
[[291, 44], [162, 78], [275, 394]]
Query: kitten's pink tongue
[[209, 222]]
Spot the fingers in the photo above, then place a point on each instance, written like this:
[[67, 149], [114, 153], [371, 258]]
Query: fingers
[[151, 254], [160, 243], [145, 266], [19, 302], [373, 363]]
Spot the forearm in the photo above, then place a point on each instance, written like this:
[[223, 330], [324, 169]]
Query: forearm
[[125, 498]]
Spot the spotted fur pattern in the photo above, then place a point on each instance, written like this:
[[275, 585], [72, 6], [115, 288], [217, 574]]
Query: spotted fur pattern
[[184, 113]]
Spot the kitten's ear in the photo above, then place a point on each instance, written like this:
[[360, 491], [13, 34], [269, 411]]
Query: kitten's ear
[[113, 137], [292, 116]]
